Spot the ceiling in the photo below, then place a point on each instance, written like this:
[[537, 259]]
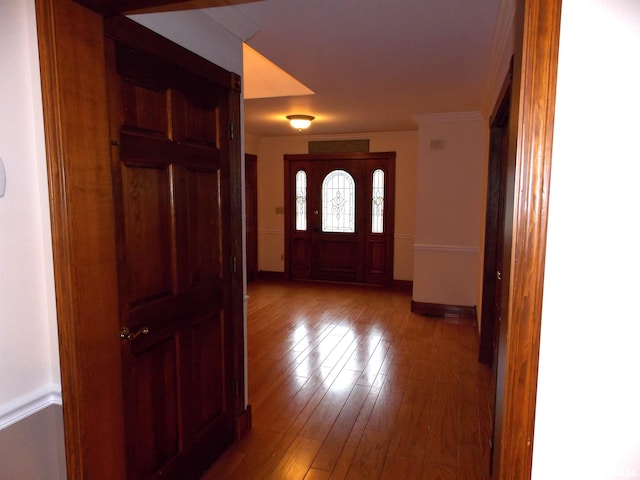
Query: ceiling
[[373, 64]]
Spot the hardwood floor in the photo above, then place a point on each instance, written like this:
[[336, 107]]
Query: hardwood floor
[[346, 383]]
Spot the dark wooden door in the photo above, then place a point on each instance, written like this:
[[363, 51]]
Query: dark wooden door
[[495, 278], [251, 209], [347, 229], [171, 176], [337, 220]]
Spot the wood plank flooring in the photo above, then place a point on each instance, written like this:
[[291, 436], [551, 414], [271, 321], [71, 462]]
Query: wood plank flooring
[[346, 383]]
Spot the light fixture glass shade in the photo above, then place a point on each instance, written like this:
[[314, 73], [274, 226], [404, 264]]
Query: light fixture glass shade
[[300, 121]]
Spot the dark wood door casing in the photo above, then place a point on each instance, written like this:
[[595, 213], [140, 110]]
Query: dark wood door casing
[[72, 57], [530, 143], [362, 256], [494, 219], [74, 100]]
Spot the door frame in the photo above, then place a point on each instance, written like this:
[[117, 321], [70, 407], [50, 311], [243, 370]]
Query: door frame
[[498, 129], [89, 416], [375, 278], [535, 66], [71, 42]]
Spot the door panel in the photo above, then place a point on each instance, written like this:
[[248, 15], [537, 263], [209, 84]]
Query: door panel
[[153, 406], [172, 217], [336, 255], [146, 195], [359, 256]]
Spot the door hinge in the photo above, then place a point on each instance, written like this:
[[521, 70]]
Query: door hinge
[[231, 131], [236, 388], [234, 268]]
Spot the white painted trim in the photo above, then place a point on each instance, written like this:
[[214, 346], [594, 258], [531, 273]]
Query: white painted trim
[[404, 236], [473, 116], [421, 247], [22, 407]]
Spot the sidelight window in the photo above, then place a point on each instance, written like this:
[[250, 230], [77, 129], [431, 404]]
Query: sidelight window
[[338, 202], [301, 200], [377, 202]]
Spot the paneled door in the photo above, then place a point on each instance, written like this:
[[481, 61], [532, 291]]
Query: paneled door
[[169, 125], [339, 215]]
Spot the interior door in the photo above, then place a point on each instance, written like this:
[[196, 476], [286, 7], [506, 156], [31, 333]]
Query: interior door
[[495, 281], [339, 217], [170, 160]]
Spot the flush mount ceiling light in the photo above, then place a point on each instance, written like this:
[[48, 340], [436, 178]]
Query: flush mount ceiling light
[[300, 121]]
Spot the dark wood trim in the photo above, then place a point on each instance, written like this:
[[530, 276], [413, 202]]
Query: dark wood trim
[[251, 215], [267, 275], [72, 61], [237, 251], [499, 130], [243, 423], [363, 274], [114, 7], [441, 310], [535, 74], [84, 254], [128, 32], [406, 285]]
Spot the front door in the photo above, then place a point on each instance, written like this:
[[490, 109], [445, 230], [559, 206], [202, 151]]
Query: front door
[[170, 162], [339, 214]]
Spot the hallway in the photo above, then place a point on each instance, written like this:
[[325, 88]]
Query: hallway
[[346, 383]]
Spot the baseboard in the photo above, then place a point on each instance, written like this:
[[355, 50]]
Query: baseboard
[[404, 285], [29, 404], [267, 275], [243, 423], [462, 313]]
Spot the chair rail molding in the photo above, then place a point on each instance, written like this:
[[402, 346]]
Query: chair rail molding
[[28, 404]]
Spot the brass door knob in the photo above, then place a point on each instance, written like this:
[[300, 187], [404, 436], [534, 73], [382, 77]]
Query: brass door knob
[[126, 334]]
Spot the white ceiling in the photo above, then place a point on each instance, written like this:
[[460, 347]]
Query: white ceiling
[[373, 64]]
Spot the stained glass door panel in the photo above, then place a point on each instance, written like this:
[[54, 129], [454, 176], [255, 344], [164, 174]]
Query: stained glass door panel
[[339, 217]]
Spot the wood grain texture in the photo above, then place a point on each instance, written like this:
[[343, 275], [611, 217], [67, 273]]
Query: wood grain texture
[[345, 382], [80, 197], [535, 72]]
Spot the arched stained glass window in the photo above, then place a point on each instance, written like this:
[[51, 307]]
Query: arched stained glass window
[[338, 202], [377, 202], [301, 200]]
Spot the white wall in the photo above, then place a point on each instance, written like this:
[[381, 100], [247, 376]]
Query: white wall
[[588, 406], [271, 193], [451, 179], [29, 361], [198, 32]]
